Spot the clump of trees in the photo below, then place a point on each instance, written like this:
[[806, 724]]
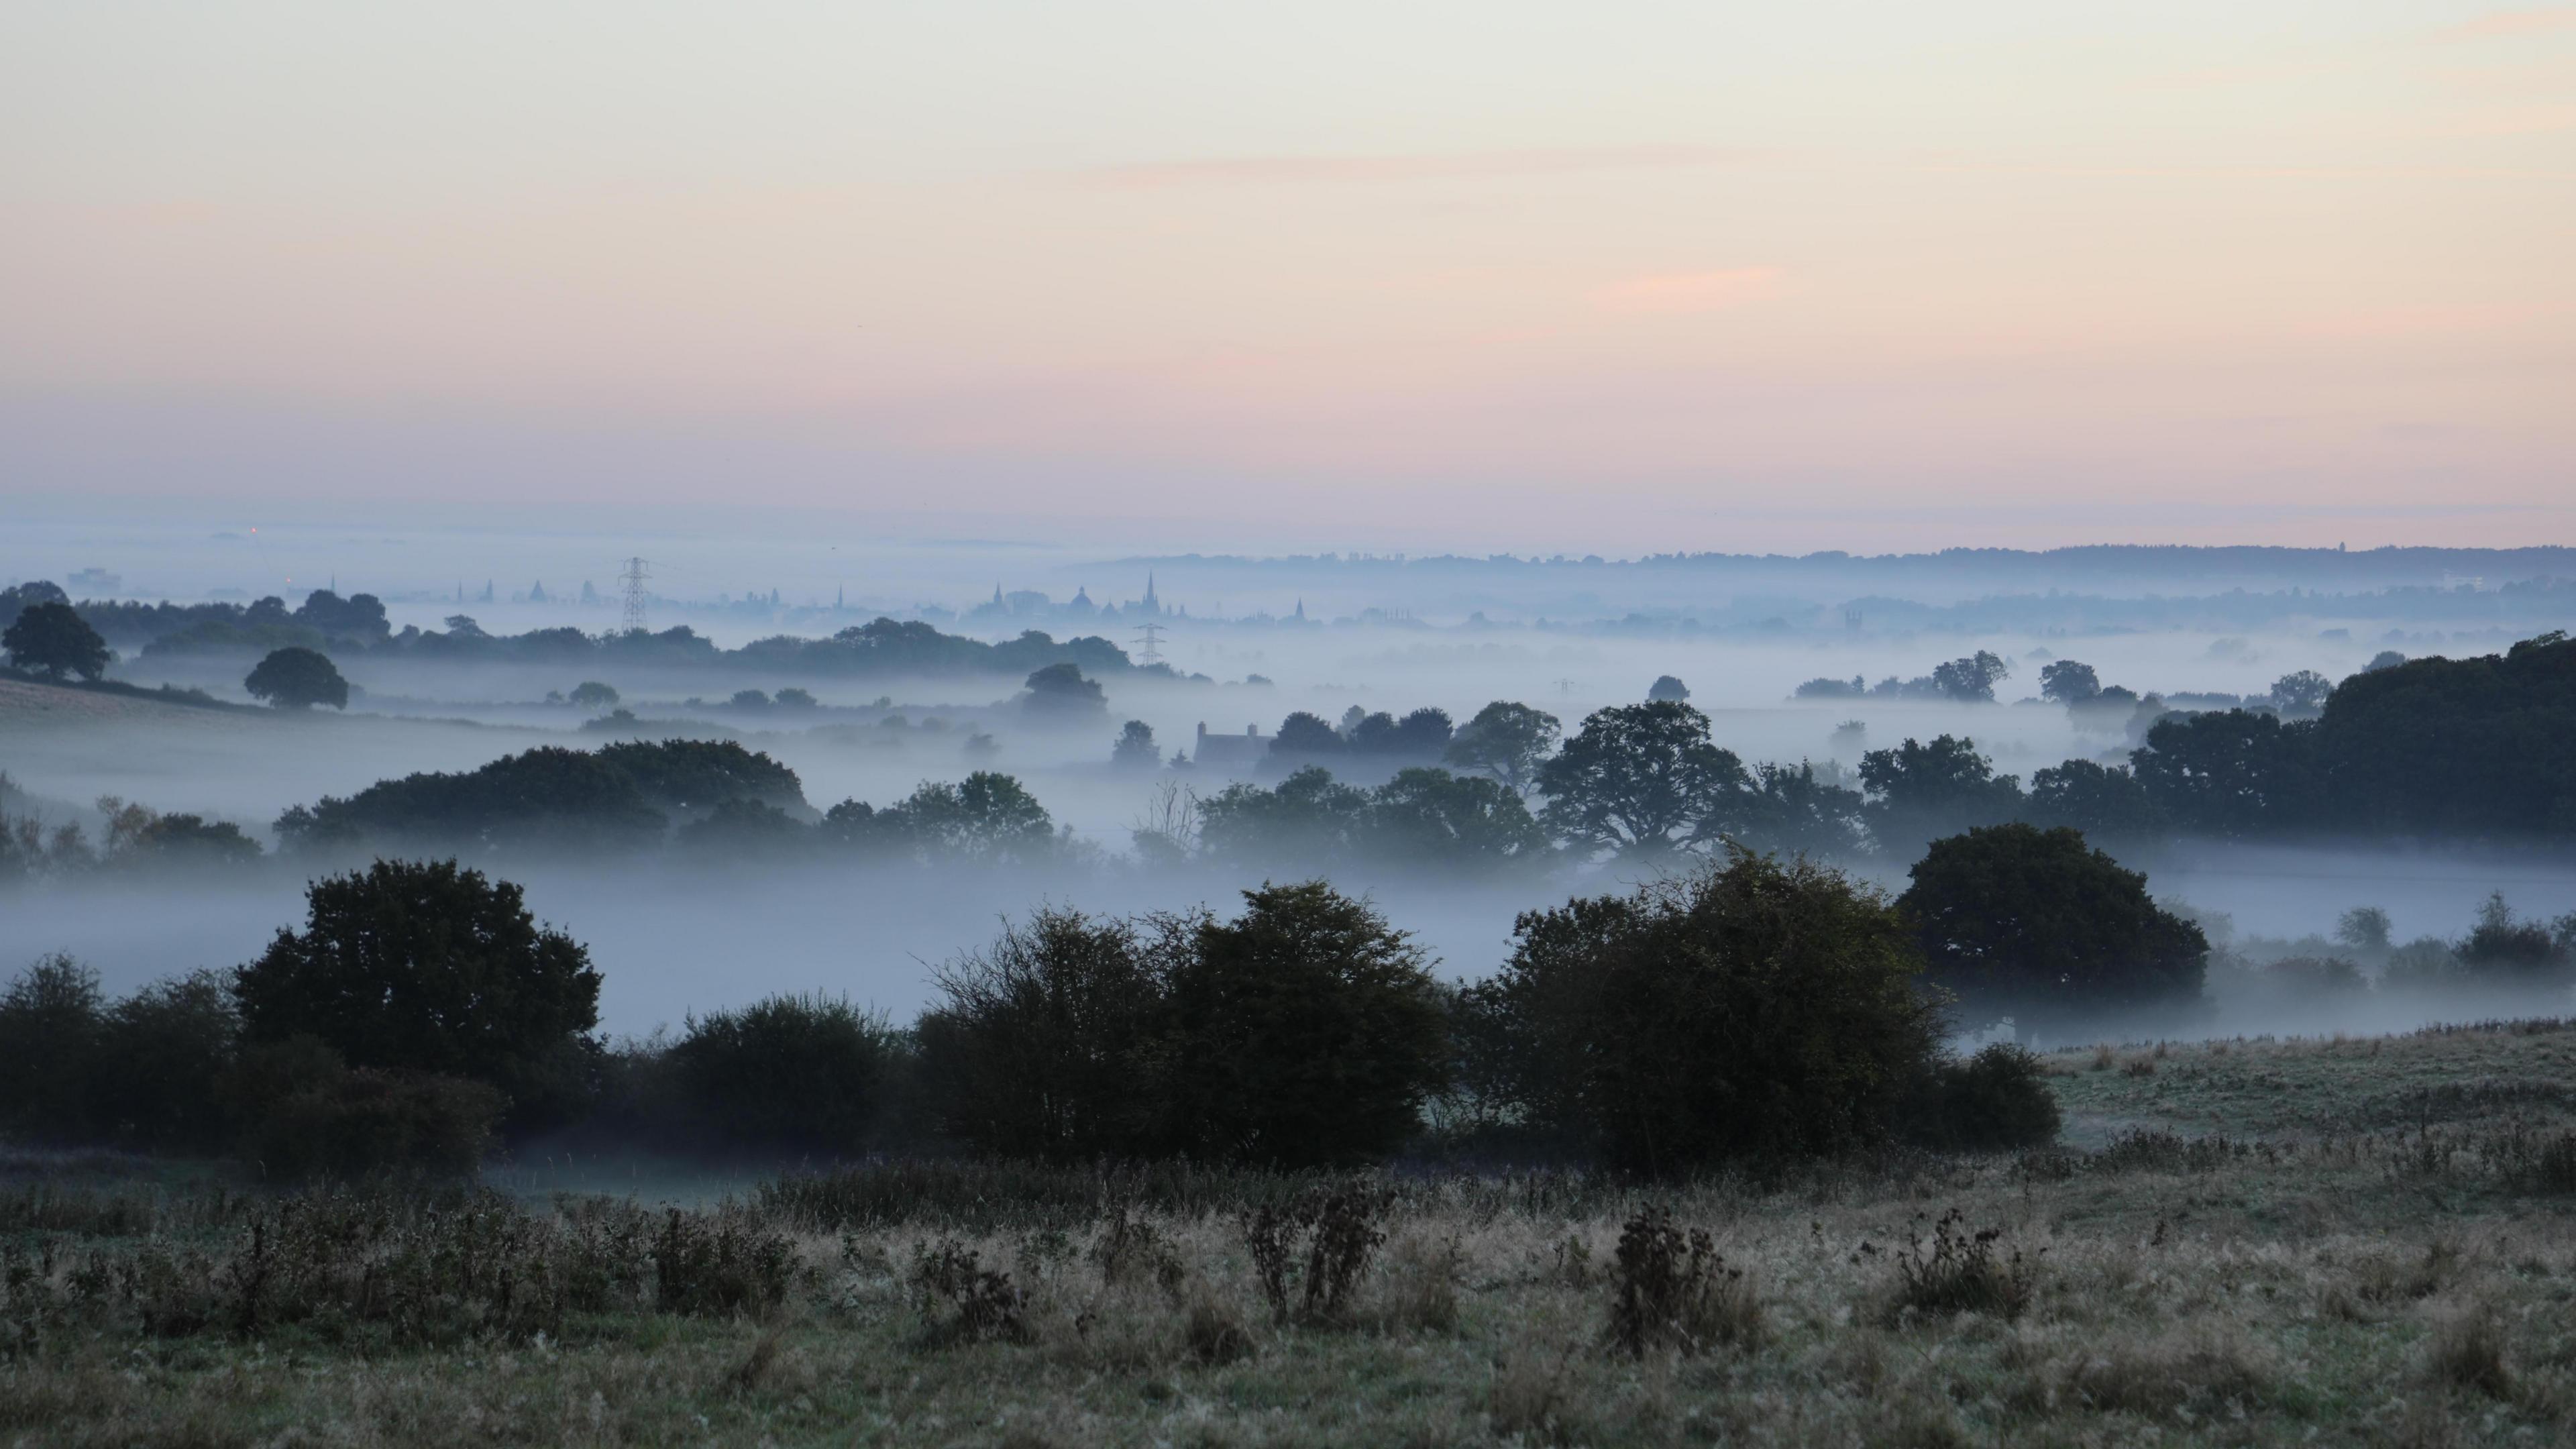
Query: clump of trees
[[1305, 1031]]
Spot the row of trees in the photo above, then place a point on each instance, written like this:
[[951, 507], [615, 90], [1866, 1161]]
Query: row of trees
[[1756, 1009]]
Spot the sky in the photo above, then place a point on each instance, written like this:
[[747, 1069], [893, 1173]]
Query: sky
[[1622, 277]]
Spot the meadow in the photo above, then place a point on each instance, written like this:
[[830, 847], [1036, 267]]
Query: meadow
[[2343, 1240]]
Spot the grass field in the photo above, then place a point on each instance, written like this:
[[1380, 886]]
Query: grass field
[[2268, 1242]]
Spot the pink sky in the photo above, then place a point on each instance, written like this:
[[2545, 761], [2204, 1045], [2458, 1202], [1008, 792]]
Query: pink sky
[[1617, 276]]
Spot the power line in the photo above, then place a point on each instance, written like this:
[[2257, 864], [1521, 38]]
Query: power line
[[1152, 639]]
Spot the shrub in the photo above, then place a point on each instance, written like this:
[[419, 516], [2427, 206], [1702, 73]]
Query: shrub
[[963, 1299], [1758, 1009], [1998, 1098], [1672, 1289], [1042, 1044], [719, 1264], [50, 1025], [163, 1055], [426, 967], [309, 1116], [1340, 1230], [787, 1072], [1956, 1271]]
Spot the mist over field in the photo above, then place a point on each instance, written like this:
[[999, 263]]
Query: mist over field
[[1248, 641]]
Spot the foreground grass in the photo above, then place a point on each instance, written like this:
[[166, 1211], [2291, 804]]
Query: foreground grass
[[2248, 1243]]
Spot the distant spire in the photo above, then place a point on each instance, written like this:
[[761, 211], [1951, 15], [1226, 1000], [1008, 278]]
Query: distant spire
[[997, 593], [1301, 610], [1151, 607], [840, 597]]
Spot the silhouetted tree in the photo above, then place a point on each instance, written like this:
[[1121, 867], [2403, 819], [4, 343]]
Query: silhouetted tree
[[2230, 773], [1506, 741], [1135, 748], [2303, 692], [296, 678], [788, 1072], [2096, 799], [2068, 682], [1758, 1009], [1306, 733], [1059, 691], [1435, 820], [1306, 1031], [2040, 927], [591, 694], [430, 967], [1971, 680], [1641, 779], [1917, 791], [2364, 928], [1309, 818], [1045, 1044], [1793, 811], [1666, 688], [53, 640]]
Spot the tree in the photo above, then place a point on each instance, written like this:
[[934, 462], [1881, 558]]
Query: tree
[[1971, 680], [1059, 691], [1667, 689], [2364, 928], [1305, 733], [50, 1022], [2096, 799], [2229, 773], [746, 832], [1044, 1044], [749, 699], [426, 966], [1135, 748], [2503, 947], [1917, 791], [2067, 682], [2303, 692], [1423, 734], [295, 678], [1642, 779], [2040, 927], [1506, 741], [1757, 1009], [2384, 659], [1794, 811], [1305, 1032], [1433, 819], [52, 639], [2483, 746], [591, 694], [1309, 818], [793, 697]]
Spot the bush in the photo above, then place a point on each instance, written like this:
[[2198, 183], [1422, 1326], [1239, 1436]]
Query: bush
[[1306, 1032], [797, 1072], [50, 1025], [424, 967], [1042, 1045], [1998, 1098], [305, 1114], [1672, 1289], [1758, 1009], [163, 1056]]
